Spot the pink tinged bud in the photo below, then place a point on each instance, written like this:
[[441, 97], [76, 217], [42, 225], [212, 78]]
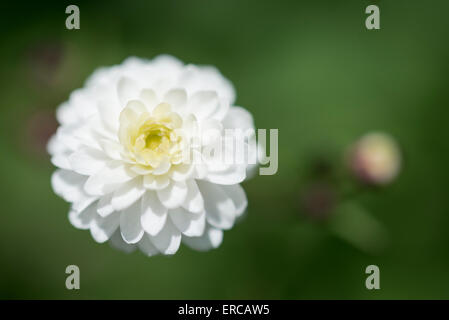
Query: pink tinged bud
[[375, 159]]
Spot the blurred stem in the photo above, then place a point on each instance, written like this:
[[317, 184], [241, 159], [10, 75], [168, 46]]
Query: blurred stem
[[357, 226]]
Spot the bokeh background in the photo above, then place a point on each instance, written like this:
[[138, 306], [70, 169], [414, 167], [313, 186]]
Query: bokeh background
[[310, 69]]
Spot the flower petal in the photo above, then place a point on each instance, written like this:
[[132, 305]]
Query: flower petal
[[238, 196], [211, 131], [104, 206], [101, 228], [68, 185], [127, 89], [149, 97], [176, 97], [232, 175], [141, 170], [154, 214], [163, 168], [211, 239], [190, 125], [83, 203], [174, 195], [87, 161], [108, 179], [207, 77], [83, 219], [168, 240], [192, 225], [222, 109], [220, 209], [128, 194], [61, 161], [147, 246], [155, 183], [111, 148], [130, 227], [237, 117], [161, 109], [203, 104], [116, 241], [182, 172], [109, 112], [194, 200]]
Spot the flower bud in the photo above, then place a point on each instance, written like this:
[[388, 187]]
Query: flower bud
[[375, 159]]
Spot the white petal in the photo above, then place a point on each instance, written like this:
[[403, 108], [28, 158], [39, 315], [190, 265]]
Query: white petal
[[232, 175], [101, 228], [61, 160], [192, 225], [128, 116], [220, 209], [190, 125], [201, 170], [148, 96], [87, 161], [211, 131], [83, 203], [83, 219], [54, 146], [176, 97], [116, 241], [109, 112], [163, 168], [104, 206], [207, 77], [155, 182], [126, 195], [182, 172], [222, 109], [111, 148], [68, 185], [66, 136], [167, 63], [147, 246], [238, 117], [154, 214], [168, 240], [141, 170], [174, 195], [136, 107], [203, 104], [130, 226], [127, 90], [211, 239], [194, 200], [108, 179], [161, 109], [238, 196]]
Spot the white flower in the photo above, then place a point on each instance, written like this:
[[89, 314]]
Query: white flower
[[119, 152]]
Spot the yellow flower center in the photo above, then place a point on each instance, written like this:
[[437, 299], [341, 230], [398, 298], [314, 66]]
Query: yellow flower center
[[150, 138]]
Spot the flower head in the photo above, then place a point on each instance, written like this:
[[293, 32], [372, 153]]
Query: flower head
[[129, 156]]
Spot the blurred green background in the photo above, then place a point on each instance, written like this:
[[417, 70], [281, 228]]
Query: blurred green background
[[310, 69]]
